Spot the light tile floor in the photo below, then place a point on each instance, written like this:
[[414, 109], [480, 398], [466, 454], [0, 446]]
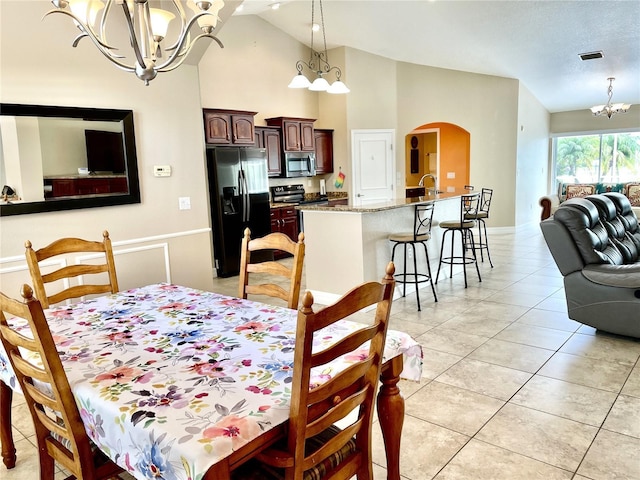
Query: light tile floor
[[511, 388]]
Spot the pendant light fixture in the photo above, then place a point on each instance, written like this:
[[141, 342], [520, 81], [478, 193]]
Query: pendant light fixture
[[318, 63], [610, 109], [147, 29]]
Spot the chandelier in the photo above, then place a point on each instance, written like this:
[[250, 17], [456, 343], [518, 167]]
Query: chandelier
[[147, 29], [318, 63], [610, 109]]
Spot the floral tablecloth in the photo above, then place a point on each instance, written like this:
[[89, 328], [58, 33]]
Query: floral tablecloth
[[170, 379]]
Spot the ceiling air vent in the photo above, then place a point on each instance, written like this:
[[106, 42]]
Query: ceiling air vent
[[591, 55]]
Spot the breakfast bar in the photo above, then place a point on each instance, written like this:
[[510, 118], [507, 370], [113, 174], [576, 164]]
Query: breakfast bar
[[348, 244]]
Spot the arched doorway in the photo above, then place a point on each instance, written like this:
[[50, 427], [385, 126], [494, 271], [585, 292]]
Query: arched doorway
[[441, 149]]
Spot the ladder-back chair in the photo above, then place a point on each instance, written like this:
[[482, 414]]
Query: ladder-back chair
[[60, 433], [66, 246], [292, 276], [315, 448]]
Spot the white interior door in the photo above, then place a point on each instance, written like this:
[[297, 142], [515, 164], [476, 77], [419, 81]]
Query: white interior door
[[373, 166]]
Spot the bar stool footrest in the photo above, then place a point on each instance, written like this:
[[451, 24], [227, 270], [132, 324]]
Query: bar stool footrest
[[458, 260], [416, 277]]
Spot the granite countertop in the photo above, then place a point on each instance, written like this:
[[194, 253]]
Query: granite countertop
[[378, 207]]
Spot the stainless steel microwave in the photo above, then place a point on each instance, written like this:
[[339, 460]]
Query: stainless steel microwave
[[298, 164]]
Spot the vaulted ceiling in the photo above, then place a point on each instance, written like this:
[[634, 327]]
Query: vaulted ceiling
[[535, 41]]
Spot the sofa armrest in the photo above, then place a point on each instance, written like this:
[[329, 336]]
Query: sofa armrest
[[562, 247], [625, 276], [548, 203]]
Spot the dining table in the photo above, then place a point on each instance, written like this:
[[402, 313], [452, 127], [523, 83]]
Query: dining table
[[178, 383]]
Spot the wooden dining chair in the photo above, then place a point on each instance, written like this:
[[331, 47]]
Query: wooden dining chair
[[65, 246], [315, 448], [59, 429], [293, 275]]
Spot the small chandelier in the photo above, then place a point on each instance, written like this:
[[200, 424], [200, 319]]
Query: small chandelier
[[147, 28], [319, 64], [610, 109]]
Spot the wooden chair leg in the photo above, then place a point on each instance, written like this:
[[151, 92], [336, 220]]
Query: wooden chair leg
[[6, 435]]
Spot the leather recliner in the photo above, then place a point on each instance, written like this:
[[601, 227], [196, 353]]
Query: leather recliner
[[595, 242]]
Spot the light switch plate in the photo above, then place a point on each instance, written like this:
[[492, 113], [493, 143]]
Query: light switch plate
[[162, 170], [184, 203]]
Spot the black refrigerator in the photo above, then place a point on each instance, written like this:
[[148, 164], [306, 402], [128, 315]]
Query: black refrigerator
[[239, 198]]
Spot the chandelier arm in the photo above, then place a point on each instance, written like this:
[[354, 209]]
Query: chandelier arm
[[183, 23], [85, 29], [104, 49], [167, 65], [76, 40], [103, 21], [187, 29], [178, 60], [103, 30], [132, 36]]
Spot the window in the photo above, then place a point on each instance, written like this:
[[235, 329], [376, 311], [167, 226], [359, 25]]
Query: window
[[597, 158]]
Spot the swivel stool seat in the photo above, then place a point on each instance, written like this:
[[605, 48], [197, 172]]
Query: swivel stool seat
[[469, 204], [422, 219]]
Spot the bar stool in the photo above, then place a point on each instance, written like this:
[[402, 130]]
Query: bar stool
[[481, 216], [469, 203], [422, 218]]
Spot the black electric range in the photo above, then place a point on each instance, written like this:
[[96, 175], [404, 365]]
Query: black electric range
[[294, 194]]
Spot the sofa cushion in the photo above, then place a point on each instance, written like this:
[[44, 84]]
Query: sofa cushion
[[581, 219], [616, 227], [632, 192], [627, 216], [580, 190], [609, 187]]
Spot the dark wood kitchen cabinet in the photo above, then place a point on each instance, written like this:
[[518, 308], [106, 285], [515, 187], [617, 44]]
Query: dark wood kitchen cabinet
[[70, 186], [297, 133], [285, 220], [269, 139], [229, 127], [324, 151]]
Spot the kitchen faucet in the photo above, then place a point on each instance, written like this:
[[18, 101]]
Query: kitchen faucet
[[421, 182]]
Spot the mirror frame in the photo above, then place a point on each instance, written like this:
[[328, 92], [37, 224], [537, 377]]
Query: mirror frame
[[126, 116]]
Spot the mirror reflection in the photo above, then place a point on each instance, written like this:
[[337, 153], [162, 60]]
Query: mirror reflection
[[58, 158]]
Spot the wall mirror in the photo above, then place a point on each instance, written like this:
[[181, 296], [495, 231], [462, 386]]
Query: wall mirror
[[63, 158]]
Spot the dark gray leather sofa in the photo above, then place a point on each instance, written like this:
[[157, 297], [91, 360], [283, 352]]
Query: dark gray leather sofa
[[595, 242]]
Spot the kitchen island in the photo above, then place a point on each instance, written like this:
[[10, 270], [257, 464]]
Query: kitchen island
[[347, 245]]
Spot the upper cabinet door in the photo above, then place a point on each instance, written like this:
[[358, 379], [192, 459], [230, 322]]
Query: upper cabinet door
[[229, 127], [324, 151], [297, 133], [307, 143], [242, 130], [217, 128], [272, 144], [291, 131]]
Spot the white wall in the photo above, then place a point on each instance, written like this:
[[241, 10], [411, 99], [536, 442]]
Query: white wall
[[253, 70], [39, 66], [582, 121], [485, 106], [532, 169]]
